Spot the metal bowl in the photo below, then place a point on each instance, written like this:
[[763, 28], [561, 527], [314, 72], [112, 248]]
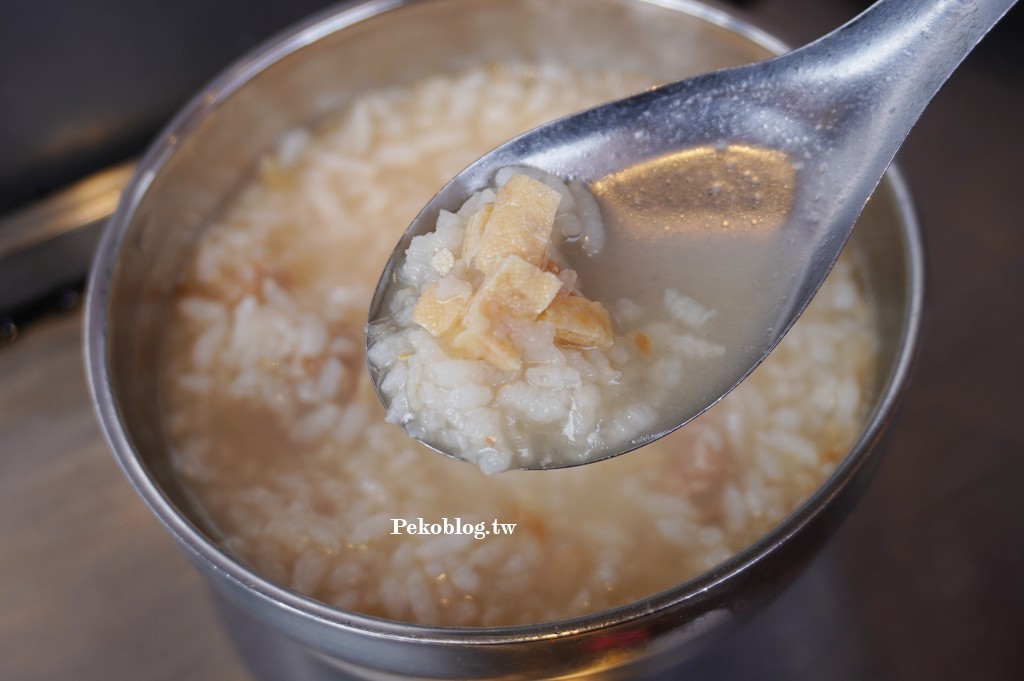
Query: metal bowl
[[303, 76]]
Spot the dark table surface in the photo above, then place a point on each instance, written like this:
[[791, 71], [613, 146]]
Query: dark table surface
[[925, 580]]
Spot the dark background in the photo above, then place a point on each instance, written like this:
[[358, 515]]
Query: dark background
[[925, 580], [87, 83]]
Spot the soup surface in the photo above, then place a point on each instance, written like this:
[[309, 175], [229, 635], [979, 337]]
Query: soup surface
[[277, 432]]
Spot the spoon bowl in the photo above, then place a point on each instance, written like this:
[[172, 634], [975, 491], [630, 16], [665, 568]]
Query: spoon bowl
[[739, 187]]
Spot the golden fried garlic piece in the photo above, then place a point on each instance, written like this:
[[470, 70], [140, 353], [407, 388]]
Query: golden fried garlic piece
[[506, 249]]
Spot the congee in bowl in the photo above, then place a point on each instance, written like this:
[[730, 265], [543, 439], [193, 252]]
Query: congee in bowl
[[274, 425], [226, 355]]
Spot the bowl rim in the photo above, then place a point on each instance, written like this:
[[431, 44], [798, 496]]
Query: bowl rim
[[200, 547]]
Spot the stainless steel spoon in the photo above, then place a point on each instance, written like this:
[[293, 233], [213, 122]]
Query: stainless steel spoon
[[739, 187]]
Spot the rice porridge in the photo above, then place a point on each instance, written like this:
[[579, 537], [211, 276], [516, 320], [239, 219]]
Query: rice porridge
[[279, 436], [491, 351]]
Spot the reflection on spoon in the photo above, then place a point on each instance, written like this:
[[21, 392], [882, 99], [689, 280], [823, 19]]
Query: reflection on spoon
[[738, 188]]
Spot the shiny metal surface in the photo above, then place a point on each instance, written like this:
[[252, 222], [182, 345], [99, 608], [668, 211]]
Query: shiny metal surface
[[815, 128], [84, 567], [921, 581], [87, 85], [51, 242], [202, 158]]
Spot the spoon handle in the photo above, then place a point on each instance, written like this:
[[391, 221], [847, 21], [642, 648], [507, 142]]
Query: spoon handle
[[888, 63], [858, 91]]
